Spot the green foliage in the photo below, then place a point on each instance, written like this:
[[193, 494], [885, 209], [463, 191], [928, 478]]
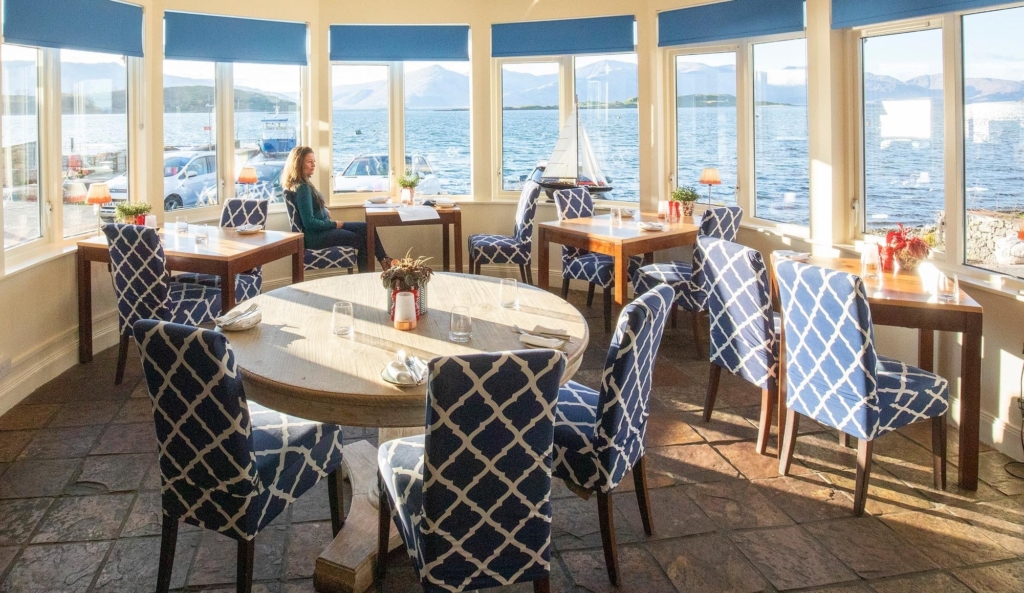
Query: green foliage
[[406, 272], [685, 194], [127, 211], [408, 180]]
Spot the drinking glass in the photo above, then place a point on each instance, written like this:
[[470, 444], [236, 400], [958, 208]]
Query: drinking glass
[[461, 328], [869, 261], [342, 321], [616, 217], [508, 293], [202, 234], [948, 289], [181, 224]]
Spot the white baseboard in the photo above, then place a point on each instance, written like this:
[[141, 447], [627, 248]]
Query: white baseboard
[[1001, 435]]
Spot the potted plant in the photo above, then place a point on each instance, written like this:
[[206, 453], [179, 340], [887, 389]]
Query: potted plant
[[132, 212], [903, 247], [408, 182], [407, 274], [684, 198]]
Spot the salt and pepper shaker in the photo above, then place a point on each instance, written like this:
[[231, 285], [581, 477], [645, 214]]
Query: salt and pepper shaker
[[405, 311]]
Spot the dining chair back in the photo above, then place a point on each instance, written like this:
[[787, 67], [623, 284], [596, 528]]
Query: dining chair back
[[517, 249], [722, 222], [225, 465], [238, 212], [472, 497], [573, 203], [320, 259]]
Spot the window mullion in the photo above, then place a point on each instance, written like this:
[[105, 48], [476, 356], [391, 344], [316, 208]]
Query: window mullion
[[953, 93], [136, 108], [224, 97], [396, 97], [745, 158], [50, 147]]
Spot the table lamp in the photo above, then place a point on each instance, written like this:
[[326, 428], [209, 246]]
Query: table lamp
[[709, 176], [75, 192], [99, 193], [248, 176]]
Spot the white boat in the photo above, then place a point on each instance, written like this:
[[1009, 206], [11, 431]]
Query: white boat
[[573, 164]]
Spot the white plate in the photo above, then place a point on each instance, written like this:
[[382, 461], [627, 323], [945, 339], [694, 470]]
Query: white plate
[[249, 229], [377, 200], [386, 375], [650, 226]]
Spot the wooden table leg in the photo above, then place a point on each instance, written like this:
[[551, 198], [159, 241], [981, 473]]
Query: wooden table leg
[[780, 418], [371, 243], [970, 403], [84, 308], [446, 245], [458, 243], [227, 290], [543, 251], [298, 265], [621, 277], [926, 349]]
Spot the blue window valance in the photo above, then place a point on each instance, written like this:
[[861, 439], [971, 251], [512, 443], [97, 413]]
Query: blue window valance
[[599, 35], [212, 38], [399, 43], [856, 13], [91, 25], [734, 19]]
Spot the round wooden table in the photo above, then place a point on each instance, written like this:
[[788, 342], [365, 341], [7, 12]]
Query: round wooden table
[[293, 363]]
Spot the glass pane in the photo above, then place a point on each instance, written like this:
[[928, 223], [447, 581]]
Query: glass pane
[[437, 126], [706, 121], [94, 132], [903, 131], [781, 165], [267, 121], [606, 89], [994, 139], [529, 120], [20, 125], [360, 137], [190, 135]]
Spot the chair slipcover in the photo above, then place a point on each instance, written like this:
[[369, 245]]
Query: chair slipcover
[[517, 249], [321, 259], [580, 264]]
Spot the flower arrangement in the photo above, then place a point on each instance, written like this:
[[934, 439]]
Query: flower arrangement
[[407, 274], [683, 199], [129, 212], [684, 194], [409, 180], [905, 248]]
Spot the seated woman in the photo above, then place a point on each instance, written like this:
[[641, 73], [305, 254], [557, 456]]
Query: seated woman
[[320, 231]]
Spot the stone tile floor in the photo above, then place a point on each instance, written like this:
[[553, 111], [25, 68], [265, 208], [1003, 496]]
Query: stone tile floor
[[80, 505]]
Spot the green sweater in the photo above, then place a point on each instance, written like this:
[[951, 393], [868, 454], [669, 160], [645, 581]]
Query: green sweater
[[314, 224]]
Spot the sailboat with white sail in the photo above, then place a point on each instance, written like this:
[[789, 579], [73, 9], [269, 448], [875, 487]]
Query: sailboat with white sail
[[573, 163]]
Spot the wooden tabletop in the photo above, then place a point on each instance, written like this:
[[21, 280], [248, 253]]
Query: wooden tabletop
[[223, 243], [600, 227], [293, 363]]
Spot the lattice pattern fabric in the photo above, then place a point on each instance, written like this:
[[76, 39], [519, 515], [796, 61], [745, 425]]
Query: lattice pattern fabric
[[238, 212], [833, 373], [472, 496], [685, 278], [580, 264], [501, 249], [225, 465], [599, 436], [743, 339], [321, 259], [141, 286]]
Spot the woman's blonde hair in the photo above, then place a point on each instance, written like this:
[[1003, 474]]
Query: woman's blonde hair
[[293, 174]]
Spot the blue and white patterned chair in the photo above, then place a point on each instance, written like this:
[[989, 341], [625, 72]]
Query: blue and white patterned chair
[[743, 335], [143, 290], [721, 223], [472, 497], [834, 375], [236, 212], [321, 259], [579, 264], [225, 464], [517, 249], [600, 436]]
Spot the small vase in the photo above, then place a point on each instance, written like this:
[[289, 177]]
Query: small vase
[[887, 259], [140, 219], [908, 263], [687, 209], [420, 292]]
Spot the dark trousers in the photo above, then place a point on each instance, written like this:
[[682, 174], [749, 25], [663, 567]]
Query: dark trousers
[[353, 235]]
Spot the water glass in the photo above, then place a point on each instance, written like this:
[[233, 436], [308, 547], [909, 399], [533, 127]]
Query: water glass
[[202, 234], [869, 261], [342, 320], [461, 328], [508, 293], [181, 224], [616, 217], [948, 289]]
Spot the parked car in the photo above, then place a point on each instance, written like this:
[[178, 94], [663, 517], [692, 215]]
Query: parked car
[[371, 173], [187, 175]]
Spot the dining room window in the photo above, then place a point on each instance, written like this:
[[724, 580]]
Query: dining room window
[[437, 126], [268, 116], [190, 135], [361, 131], [529, 119], [22, 202], [705, 100]]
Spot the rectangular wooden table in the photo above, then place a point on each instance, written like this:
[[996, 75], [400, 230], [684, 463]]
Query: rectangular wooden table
[[378, 217], [902, 300], [596, 234], [226, 254]]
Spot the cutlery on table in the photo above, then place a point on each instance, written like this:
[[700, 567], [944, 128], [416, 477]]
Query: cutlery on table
[[236, 315]]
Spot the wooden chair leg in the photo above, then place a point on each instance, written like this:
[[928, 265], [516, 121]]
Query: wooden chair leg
[[168, 542], [246, 555], [351, 271], [479, 266], [122, 358], [860, 492], [542, 585], [769, 399], [939, 451], [590, 294], [336, 498], [565, 288], [709, 400], [522, 272], [844, 439], [529, 275], [383, 529], [697, 334], [607, 309], [604, 514], [643, 499], [675, 316], [788, 442]]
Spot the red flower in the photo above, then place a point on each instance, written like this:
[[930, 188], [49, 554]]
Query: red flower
[[901, 239]]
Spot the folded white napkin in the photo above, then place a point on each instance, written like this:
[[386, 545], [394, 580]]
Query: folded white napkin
[[551, 332], [539, 342], [793, 255], [399, 374], [444, 202]]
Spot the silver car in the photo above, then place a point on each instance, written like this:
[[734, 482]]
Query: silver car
[[371, 173]]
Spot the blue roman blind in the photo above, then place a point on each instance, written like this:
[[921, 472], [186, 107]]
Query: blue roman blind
[[599, 35], [92, 25], [211, 38], [856, 13], [735, 19], [398, 43]]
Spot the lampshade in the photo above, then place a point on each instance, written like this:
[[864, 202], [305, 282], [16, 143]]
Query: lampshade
[[75, 192], [709, 176], [247, 175], [99, 193]]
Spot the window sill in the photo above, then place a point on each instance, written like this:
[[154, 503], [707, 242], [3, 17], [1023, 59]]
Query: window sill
[[38, 256]]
